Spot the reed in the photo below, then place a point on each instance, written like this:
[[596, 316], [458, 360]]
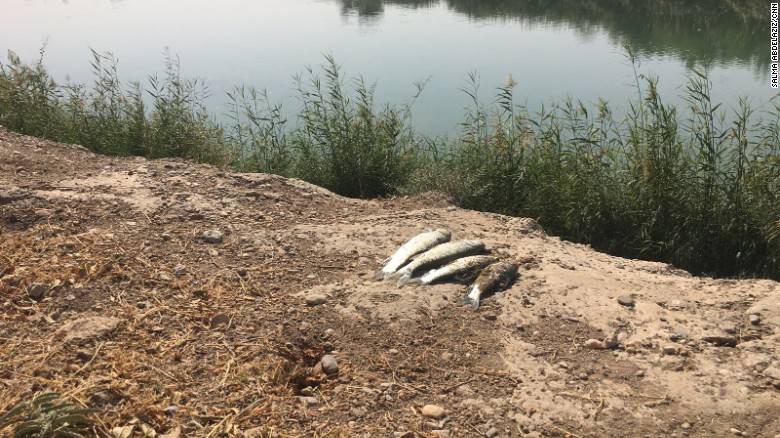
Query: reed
[[696, 185]]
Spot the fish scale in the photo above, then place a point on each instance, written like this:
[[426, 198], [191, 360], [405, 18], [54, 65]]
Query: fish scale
[[417, 244], [459, 266], [437, 256]]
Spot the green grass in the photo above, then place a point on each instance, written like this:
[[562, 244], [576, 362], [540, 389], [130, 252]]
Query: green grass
[[696, 185]]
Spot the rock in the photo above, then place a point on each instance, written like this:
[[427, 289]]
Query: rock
[[170, 410], [626, 300], [212, 236], [490, 316], [735, 431], [640, 373], [220, 319], [329, 365], [12, 194], [433, 411], [89, 327], [441, 433], [729, 327], [447, 356], [309, 401], [670, 350], [491, 432], [756, 361], [36, 291], [594, 344], [179, 270], [754, 319], [686, 426], [610, 341], [721, 341], [407, 434], [315, 299], [772, 371], [681, 333]]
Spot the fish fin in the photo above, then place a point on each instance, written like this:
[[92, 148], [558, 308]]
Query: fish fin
[[473, 302], [405, 278], [380, 275]]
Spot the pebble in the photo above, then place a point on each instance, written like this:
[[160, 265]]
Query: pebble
[[686, 426], [220, 319], [433, 411], [594, 344], [393, 351], [441, 433], [447, 356], [315, 299], [36, 291], [640, 373], [179, 270], [491, 432], [735, 431], [309, 401], [626, 300], [170, 410], [329, 365], [670, 350], [212, 236], [89, 327], [754, 319], [729, 327]]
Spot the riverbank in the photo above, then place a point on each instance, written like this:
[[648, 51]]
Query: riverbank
[[185, 300], [669, 184]]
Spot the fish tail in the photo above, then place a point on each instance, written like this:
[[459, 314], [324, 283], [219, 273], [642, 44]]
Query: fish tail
[[472, 298]]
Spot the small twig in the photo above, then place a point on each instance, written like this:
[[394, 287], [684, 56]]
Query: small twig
[[227, 370], [451, 387], [571, 434], [97, 350], [598, 409]]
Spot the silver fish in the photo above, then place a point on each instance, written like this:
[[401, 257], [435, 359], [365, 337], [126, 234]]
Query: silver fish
[[460, 266], [439, 255], [496, 276], [417, 244]]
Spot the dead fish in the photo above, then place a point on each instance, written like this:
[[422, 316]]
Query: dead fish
[[459, 266], [439, 255], [496, 276], [417, 244]]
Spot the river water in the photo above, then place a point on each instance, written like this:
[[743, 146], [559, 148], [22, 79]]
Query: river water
[[554, 49]]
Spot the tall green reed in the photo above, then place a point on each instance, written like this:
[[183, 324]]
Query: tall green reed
[[693, 185]]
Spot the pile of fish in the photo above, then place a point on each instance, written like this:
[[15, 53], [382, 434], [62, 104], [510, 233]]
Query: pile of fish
[[433, 251]]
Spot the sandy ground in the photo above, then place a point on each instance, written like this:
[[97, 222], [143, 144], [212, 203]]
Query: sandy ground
[[112, 296]]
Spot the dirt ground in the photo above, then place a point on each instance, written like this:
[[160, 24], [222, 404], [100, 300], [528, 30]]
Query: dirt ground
[[112, 295]]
